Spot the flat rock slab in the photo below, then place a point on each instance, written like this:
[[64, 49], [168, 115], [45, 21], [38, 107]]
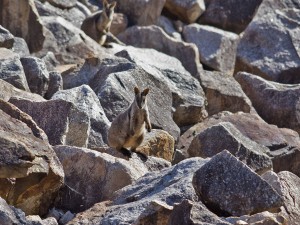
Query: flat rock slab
[[229, 187]]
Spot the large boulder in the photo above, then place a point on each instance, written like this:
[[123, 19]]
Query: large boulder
[[154, 37], [275, 103], [31, 173], [224, 136], [217, 48], [269, 46], [22, 20], [61, 120], [234, 15], [141, 12], [11, 69], [224, 93], [290, 184], [69, 43], [36, 74], [6, 38], [229, 187], [187, 11], [107, 174], [86, 101], [8, 91]]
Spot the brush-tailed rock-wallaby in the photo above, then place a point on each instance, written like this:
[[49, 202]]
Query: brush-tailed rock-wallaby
[[97, 25], [128, 128]]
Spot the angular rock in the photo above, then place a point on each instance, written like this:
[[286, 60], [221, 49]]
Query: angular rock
[[275, 103], [168, 26], [22, 20], [187, 95], [36, 220], [251, 126], [50, 61], [55, 84], [154, 37], [193, 213], [224, 93], [71, 14], [119, 23], [8, 215], [69, 43], [224, 136], [233, 15], [270, 44], [290, 185], [64, 4], [6, 38], [36, 74], [30, 163], [20, 47], [141, 12], [107, 175], [158, 143], [187, 11], [273, 179], [8, 91], [62, 121], [11, 69], [228, 187], [86, 101], [217, 48]]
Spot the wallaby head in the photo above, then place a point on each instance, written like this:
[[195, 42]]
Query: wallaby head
[[140, 97], [108, 8]]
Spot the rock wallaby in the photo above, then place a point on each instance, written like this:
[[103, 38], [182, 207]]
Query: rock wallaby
[[97, 25], [128, 128]]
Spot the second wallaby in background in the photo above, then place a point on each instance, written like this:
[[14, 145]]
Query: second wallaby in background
[[97, 25], [128, 128]]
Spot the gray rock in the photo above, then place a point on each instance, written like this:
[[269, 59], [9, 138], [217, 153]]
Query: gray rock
[[36, 220], [234, 15], [269, 46], [187, 95], [6, 38], [55, 84], [30, 170], [11, 69], [187, 11], [290, 185], [275, 103], [193, 213], [86, 101], [68, 216], [273, 179], [72, 14], [36, 74], [63, 4], [154, 37], [224, 93], [229, 187], [217, 48], [69, 43], [50, 61], [62, 121], [8, 91], [168, 26], [20, 47], [224, 136], [8, 215], [141, 12], [23, 20], [107, 174]]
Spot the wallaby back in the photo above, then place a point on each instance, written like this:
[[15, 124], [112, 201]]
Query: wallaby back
[[127, 129]]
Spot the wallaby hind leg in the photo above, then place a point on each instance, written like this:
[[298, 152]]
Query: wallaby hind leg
[[124, 151], [137, 144]]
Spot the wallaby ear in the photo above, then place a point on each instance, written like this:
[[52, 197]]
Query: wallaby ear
[[146, 91], [112, 5], [136, 90]]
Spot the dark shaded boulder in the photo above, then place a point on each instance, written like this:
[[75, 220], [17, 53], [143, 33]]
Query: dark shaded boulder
[[269, 46], [30, 170], [224, 93], [224, 136], [11, 69], [233, 15], [36, 74], [229, 187], [22, 20]]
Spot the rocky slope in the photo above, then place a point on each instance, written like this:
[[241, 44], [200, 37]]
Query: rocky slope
[[224, 104]]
